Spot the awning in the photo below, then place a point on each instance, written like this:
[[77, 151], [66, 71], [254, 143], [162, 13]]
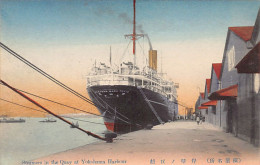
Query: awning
[[210, 103], [203, 107], [251, 62], [225, 94]]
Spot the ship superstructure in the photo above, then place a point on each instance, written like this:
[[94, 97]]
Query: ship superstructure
[[131, 97]]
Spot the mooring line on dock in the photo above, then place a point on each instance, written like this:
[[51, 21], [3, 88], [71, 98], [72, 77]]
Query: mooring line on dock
[[69, 106], [59, 117], [44, 73], [22, 105], [50, 77], [94, 94], [67, 117], [55, 102]]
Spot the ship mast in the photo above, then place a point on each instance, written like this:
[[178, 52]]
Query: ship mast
[[134, 36]]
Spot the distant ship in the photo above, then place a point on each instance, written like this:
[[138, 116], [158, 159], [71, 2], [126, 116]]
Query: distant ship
[[49, 120], [5, 119], [129, 97]]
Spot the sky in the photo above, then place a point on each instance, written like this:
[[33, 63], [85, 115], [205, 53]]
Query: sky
[[64, 38]]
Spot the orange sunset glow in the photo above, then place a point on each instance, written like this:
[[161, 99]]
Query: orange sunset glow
[[71, 64]]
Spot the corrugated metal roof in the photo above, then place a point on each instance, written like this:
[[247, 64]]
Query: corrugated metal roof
[[251, 62], [217, 69], [244, 32]]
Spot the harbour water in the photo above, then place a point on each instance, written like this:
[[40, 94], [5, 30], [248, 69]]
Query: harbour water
[[33, 139]]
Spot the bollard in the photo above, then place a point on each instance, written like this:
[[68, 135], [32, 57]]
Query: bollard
[[109, 137]]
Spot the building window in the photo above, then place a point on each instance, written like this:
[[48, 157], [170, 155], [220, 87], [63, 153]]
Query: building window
[[231, 58]]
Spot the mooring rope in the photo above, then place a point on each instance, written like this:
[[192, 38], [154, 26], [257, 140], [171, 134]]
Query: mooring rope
[[50, 112], [49, 77], [11, 102]]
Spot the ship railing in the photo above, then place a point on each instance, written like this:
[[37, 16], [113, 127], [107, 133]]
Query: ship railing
[[150, 75], [125, 82], [114, 79]]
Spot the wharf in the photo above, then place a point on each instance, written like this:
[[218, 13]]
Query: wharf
[[181, 142]]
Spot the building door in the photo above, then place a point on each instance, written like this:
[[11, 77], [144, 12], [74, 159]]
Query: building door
[[229, 117], [232, 117]]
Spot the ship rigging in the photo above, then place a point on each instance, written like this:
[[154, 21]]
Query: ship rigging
[[140, 94]]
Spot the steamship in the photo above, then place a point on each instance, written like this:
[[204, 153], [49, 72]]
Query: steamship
[[5, 119], [130, 97]]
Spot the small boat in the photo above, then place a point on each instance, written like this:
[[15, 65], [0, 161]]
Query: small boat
[[74, 125], [49, 120], [5, 119]]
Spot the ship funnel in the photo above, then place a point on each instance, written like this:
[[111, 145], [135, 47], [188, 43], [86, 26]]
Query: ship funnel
[[153, 59]]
